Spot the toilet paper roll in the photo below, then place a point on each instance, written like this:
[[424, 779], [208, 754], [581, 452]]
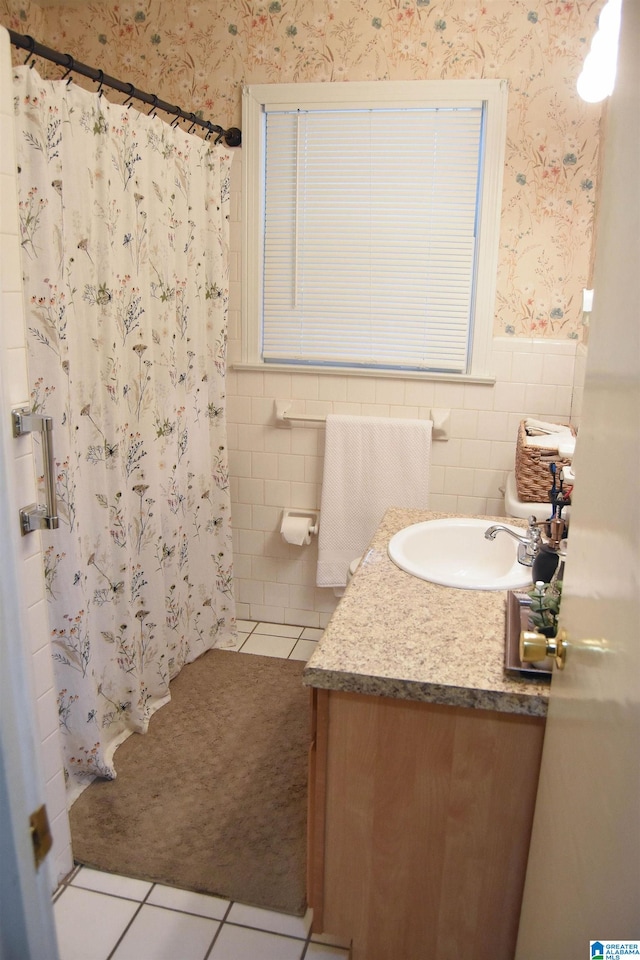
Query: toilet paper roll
[[296, 530]]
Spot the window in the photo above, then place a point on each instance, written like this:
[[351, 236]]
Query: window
[[371, 215]]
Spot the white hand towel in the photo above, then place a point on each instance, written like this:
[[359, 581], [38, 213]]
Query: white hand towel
[[370, 464]]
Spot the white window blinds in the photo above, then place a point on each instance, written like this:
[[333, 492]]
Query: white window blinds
[[370, 236]]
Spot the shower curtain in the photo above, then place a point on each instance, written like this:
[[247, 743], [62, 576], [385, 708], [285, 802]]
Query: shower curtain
[[124, 230]]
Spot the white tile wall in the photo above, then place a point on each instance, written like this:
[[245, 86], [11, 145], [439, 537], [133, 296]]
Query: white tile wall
[[15, 391], [273, 468]]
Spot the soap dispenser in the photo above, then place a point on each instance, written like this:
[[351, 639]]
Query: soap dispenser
[[545, 563]]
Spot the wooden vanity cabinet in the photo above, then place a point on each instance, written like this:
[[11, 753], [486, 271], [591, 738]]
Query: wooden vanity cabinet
[[419, 824]]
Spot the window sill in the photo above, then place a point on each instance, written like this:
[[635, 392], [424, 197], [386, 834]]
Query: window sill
[[488, 380]]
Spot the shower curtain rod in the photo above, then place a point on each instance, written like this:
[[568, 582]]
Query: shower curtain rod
[[232, 137]]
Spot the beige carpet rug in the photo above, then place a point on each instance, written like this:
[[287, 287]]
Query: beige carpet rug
[[213, 797]]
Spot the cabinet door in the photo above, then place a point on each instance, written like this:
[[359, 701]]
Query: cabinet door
[[427, 826]]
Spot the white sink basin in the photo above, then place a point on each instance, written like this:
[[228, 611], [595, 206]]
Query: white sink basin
[[455, 553]]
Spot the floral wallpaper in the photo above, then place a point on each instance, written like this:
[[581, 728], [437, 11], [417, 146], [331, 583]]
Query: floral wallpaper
[[199, 54]]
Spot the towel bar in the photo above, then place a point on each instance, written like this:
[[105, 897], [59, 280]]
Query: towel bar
[[282, 417]]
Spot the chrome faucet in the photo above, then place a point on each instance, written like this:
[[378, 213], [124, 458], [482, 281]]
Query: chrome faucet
[[528, 543]]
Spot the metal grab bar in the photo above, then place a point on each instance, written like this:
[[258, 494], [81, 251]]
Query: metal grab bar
[[36, 516]]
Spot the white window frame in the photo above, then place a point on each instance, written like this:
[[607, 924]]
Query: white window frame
[[259, 98]]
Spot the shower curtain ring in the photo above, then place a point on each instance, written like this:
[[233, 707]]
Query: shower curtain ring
[[154, 99], [70, 65], [132, 91], [101, 81], [31, 48]]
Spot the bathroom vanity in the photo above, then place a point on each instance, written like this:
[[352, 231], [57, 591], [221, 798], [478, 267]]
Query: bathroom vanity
[[424, 767]]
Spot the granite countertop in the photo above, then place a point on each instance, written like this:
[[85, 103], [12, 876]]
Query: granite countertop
[[395, 635]]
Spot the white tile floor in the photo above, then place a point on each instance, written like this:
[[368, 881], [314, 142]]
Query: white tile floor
[[102, 916]]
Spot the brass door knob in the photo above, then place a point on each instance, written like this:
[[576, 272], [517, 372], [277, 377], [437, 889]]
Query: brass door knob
[[534, 647]]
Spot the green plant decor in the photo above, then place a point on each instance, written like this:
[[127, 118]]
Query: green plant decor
[[545, 607]]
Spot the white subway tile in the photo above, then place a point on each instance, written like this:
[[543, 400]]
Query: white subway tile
[[38, 627], [306, 618], [318, 408], [250, 383], [404, 412], [42, 671], [375, 410], [475, 453], [266, 518], [564, 402], [10, 267], [307, 440], [420, 392], [240, 463], [250, 490], [449, 394], [265, 466], [478, 396], [265, 568], [347, 408], [16, 386], [472, 506], [290, 467], [251, 542], [443, 502], [487, 483], [540, 400], [263, 411], [332, 388], [501, 364], [242, 514], [304, 495], [526, 368], [278, 386], [277, 440], [302, 597], [242, 566], [250, 437], [9, 204], [239, 409], [436, 478], [446, 453], [503, 453], [305, 386], [361, 390], [459, 480], [495, 508], [492, 425], [249, 591], [390, 391], [32, 579], [464, 424], [47, 714], [509, 397], [558, 370], [313, 469], [277, 493], [277, 594], [13, 328], [270, 614]]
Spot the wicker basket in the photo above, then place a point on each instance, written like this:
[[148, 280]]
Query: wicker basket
[[533, 474]]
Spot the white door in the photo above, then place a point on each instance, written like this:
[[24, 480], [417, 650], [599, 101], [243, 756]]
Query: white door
[[583, 877], [27, 928]]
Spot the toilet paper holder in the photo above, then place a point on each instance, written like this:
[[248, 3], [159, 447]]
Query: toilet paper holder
[[310, 516]]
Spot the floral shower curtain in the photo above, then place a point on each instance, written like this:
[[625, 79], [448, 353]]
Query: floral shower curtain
[[124, 223]]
